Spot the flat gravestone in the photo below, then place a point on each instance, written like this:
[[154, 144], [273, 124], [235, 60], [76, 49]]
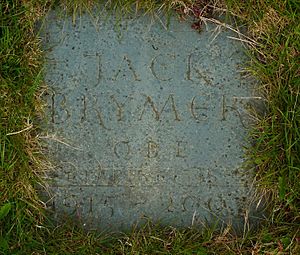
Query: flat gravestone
[[145, 121]]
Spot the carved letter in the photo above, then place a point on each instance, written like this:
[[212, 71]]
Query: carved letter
[[99, 115], [130, 68], [61, 115], [223, 108], [120, 107], [180, 149], [91, 206], [170, 207], [122, 149], [195, 72], [100, 118], [239, 107], [158, 113], [190, 203], [163, 67], [152, 149], [198, 116], [83, 118]]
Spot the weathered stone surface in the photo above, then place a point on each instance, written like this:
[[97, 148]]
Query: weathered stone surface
[[144, 121]]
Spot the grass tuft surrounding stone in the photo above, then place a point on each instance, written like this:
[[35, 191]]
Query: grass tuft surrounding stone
[[274, 29]]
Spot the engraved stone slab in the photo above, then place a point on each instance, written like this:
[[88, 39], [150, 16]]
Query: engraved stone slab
[[145, 121]]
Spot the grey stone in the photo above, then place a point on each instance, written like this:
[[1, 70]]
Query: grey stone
[[146, 122]]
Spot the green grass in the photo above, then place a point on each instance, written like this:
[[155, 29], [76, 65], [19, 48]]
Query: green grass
[[275, 60]]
